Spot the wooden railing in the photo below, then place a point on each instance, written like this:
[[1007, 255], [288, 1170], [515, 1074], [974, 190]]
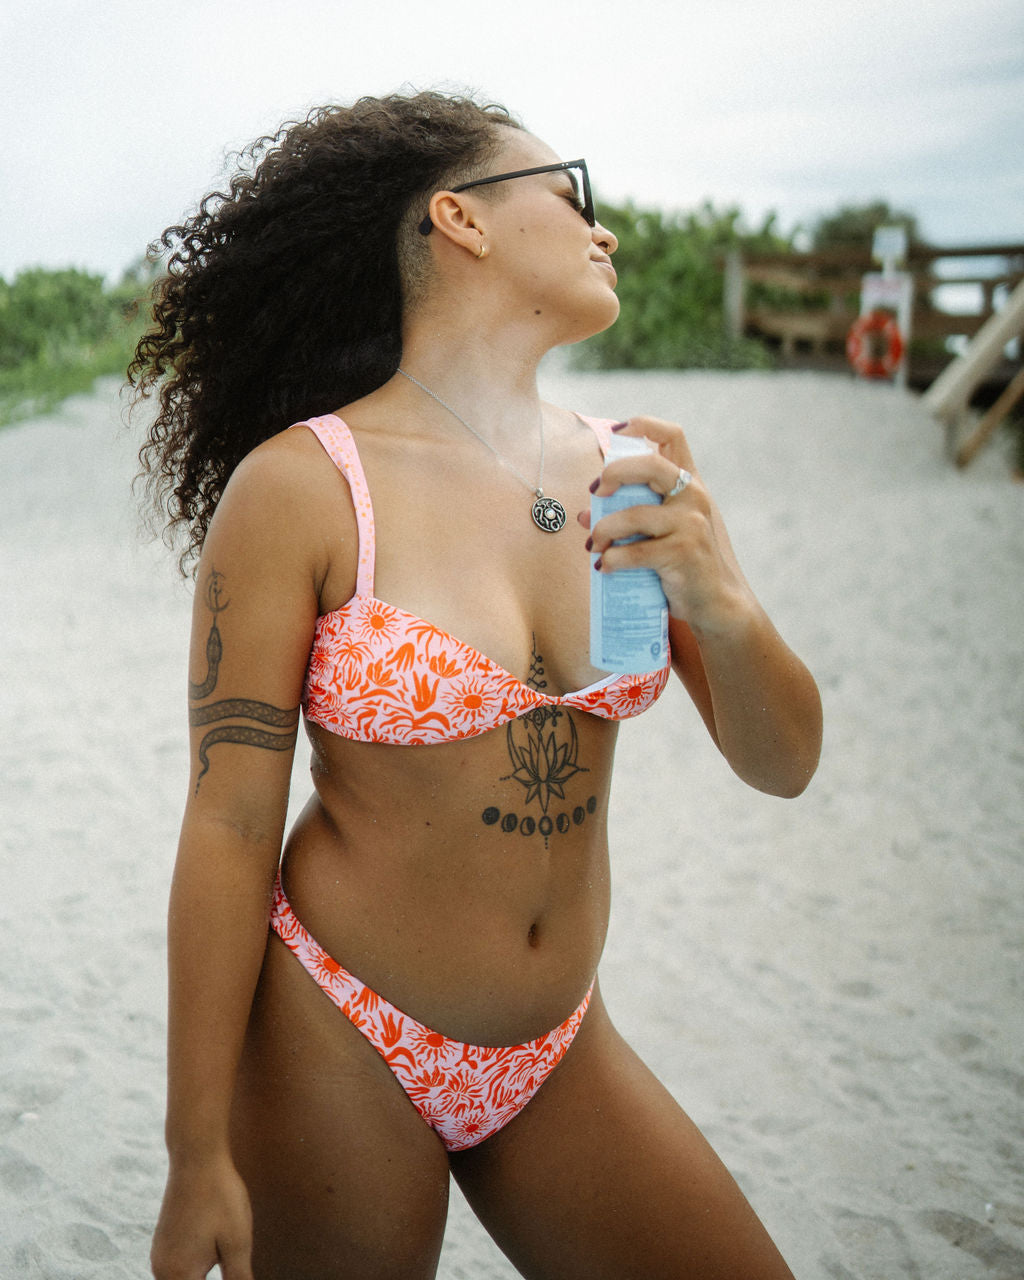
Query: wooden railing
[[802, 304]]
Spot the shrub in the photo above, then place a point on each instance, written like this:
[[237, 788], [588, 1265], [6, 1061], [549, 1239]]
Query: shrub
[[60, 330], [671, 291]]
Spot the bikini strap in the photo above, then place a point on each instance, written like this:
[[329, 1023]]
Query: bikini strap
[[601, 427], [339, 445]]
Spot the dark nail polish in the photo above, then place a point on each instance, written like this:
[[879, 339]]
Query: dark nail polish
[[593, 487], [589, 544], [597, 565], [620, 425]]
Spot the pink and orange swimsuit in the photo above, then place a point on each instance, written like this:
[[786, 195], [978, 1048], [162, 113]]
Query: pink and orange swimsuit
[[379, 674]]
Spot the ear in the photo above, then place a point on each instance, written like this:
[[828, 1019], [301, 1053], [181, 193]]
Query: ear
[[454, 218]]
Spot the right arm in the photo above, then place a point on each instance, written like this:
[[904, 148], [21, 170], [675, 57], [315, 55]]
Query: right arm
[[255, 610]]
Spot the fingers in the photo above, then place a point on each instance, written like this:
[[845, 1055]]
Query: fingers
[[667, 470], [653, 470], [205, 1219], [668, 436], [682, 480], [669, 534], [236, 1265], [681, 538], [630, 529]]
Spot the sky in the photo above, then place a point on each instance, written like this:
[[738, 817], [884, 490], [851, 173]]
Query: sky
[[119, 115]]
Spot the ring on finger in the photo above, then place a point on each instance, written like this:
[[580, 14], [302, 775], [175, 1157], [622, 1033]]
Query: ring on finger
[[680, 484]]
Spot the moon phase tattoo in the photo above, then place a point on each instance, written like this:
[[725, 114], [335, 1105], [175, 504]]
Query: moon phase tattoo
[[544, 750], [230, 714]]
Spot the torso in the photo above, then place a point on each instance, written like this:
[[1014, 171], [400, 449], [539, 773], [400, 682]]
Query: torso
[[467, 880]]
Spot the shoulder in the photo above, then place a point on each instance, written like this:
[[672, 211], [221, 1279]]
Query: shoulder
[[288, 474], [286, 502], [290, 460]]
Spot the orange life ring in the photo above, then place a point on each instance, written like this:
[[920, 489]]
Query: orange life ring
[[874, 345]]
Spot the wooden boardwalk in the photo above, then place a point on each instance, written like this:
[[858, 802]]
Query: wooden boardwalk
[[803, 304]]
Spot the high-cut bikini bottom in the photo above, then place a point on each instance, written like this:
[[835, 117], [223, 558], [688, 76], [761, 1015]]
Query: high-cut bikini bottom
[[465, 1092]]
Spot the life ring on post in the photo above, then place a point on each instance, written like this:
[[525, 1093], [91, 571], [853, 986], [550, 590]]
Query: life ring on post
[[874, 345]]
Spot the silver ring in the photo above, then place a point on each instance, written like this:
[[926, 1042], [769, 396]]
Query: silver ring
[[680, 484]]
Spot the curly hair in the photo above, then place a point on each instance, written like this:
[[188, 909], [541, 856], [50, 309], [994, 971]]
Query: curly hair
[[283, 296]]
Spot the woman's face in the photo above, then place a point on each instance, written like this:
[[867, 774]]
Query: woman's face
[[545, 258]]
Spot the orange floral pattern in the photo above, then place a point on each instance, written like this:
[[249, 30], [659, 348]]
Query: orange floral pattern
[[464, 1092], [379, 674]]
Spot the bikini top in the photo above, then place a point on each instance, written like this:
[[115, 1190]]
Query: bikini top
[[379, 674]]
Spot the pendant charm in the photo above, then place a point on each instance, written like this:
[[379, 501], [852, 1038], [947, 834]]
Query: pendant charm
[[548, 514]]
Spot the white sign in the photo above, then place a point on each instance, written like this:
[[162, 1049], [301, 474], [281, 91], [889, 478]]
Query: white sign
[[889, 245], [893, 292]]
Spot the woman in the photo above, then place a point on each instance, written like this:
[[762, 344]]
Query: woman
[[447, 885]]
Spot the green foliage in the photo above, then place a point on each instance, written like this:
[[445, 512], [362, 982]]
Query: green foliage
[[45, 314], [60, 330], [853, 226], [670, 269]]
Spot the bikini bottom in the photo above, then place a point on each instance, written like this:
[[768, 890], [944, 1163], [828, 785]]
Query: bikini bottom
[[465, 1092]]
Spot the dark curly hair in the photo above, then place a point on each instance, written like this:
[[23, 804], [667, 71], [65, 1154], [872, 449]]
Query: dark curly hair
[[283, 296]]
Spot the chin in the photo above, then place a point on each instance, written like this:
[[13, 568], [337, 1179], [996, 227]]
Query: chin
[[602, 315]]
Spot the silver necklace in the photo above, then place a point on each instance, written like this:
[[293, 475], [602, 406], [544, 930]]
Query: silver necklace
[[548, 513]]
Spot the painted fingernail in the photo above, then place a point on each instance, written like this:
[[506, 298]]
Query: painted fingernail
[[597, 564], [593, 487], [619, 426], [589, 544]]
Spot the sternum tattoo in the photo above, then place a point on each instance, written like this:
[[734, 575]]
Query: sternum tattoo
[[230, 714], [543, 747]]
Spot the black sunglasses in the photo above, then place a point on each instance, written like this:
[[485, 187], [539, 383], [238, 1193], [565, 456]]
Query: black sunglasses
[[583, 191]]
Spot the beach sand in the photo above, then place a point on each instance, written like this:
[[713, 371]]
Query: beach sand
[[831, 986]]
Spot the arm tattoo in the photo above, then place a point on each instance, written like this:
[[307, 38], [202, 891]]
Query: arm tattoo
[[214, 646], [543, 748], [245, 736], [246, 709], [233, 709]]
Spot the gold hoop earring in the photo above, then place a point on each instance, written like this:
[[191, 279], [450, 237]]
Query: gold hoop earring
[[482, 253]]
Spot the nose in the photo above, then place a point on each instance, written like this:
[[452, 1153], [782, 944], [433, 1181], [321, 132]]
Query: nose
[[604, 239]]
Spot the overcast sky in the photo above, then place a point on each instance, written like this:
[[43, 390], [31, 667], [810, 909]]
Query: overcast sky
[[117, 114]]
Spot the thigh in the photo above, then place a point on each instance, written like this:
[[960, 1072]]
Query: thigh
[[346, 1178], [603, 1177]]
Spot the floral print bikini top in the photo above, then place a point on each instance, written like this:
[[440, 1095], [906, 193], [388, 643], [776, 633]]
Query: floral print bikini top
[[379, 674]]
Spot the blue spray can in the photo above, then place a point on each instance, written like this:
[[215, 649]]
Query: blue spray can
[[628, 609]]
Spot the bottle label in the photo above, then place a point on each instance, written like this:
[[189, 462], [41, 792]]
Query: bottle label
[[628, 609]]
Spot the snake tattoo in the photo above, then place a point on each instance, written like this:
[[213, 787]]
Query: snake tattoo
[[233, 709]]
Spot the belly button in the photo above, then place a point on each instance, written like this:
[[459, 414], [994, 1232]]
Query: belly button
[[532, 937]]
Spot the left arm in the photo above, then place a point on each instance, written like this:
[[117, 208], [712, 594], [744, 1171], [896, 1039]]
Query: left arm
[[758, 700]]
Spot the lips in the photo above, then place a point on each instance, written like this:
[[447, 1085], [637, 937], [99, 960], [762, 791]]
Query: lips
[[606, 262]]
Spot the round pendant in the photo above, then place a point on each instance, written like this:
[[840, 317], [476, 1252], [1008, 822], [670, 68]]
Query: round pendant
[[548, 514]]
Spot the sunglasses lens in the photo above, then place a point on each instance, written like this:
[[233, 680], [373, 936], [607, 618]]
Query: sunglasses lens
[[580, 181]]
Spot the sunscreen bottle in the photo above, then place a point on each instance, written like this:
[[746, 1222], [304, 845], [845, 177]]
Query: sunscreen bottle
[[628, 609]]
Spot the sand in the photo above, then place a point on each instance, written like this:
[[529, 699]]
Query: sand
[[831, 985]]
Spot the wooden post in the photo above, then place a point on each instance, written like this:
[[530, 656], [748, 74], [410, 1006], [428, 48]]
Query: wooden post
[[979, 436], [734, 291]]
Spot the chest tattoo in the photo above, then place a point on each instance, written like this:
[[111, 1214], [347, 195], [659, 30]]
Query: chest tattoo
[[543, 748]]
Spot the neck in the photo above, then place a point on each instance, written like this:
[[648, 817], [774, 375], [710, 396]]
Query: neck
[[489, 378]]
